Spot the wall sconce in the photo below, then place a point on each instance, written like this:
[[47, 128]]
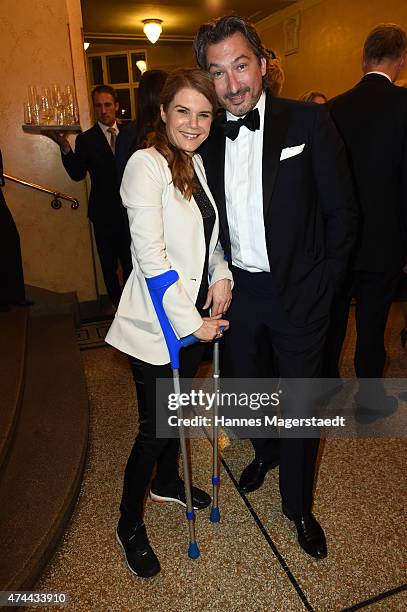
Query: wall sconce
[[141, 65], [152, 29], [86, 45]]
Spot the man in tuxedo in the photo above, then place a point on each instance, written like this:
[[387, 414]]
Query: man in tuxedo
[[277, 170], [94, 153], [372, 120]]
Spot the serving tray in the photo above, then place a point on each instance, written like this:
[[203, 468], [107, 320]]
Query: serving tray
[[38, 129]]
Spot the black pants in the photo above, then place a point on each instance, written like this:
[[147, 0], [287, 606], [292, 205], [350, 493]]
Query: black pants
[[261, 343], [148, 450], [113, 245], [374, 293]]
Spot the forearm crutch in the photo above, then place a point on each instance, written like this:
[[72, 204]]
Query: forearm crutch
[[157, 287], [215, 513]]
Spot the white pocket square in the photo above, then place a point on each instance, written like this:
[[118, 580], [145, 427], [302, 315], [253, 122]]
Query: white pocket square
[[291, 151]]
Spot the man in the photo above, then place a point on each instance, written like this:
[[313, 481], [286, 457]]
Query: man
[[372, 120], [286, 206], [12, 290], [94, 153]]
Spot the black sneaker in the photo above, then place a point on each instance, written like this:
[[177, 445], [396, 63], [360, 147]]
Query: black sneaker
[[176, 493], [140, 557]]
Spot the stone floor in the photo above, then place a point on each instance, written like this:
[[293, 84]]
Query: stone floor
[[250, 560]]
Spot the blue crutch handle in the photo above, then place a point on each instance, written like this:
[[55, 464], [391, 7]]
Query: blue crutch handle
[[157, 286], [188, 341]]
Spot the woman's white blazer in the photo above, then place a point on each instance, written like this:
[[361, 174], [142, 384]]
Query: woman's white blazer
[[166, 232]]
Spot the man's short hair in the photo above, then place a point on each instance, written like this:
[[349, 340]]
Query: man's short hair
[[105, 89], [385, 41], [217, 30]]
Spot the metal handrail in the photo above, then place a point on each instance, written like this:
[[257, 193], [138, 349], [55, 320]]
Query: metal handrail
[[56, 202]]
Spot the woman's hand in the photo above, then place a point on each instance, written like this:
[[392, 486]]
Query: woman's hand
[[211, 328], [219, 297]]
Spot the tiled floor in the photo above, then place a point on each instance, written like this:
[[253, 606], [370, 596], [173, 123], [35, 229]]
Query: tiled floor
[[249, 561]]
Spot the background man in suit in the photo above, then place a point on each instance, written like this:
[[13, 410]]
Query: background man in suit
[[277, 170], [94, 153], [372, 120]]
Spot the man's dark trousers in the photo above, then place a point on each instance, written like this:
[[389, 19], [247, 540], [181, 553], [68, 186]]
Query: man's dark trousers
[[372, 120], [260, 325]]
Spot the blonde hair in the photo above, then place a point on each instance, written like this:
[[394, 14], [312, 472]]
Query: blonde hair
[[309, 96], [274, 75]]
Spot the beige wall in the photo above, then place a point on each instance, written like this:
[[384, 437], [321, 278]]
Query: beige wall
[[35, 49], [331, 37]]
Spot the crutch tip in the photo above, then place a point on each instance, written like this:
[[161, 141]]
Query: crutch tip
[[215, 515], [193, 551]]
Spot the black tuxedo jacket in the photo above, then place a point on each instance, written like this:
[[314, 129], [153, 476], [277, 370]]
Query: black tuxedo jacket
[[372, 120], [94, 155], [308, 204]]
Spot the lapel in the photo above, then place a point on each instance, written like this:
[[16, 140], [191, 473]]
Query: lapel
[[214, 156], [276, 118], [101, 138]]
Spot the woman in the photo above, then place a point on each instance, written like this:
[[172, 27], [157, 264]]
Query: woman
[[275, 74], [137, 134], [316, 97], [174, 224]]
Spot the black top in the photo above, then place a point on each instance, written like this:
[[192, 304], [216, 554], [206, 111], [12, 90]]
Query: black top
[[208, 217]]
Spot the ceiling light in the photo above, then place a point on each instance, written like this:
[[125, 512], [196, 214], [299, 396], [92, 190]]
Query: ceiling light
[[86, 45], [141, 65], [152, 29]]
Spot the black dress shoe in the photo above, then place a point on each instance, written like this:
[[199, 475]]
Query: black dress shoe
[[140, 557], [175, 492], [311, 536], [253, 475], [380, 408]]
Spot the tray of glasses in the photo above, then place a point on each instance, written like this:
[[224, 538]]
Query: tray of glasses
[[41, 129]]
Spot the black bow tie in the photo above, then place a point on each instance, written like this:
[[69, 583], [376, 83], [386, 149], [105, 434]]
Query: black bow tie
[[251, 121]]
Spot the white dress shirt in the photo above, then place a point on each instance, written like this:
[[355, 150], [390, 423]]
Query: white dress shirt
[[104, 129], [244, 196]]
